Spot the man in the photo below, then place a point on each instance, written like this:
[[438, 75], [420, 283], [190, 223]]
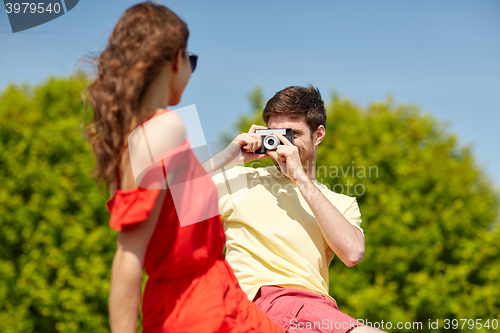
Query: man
[[283, 227]]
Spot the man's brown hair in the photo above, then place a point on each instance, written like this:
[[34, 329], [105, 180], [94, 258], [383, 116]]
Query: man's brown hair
[[296, 101]]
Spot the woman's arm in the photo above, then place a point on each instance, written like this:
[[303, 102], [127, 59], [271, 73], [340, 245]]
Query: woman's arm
[[125, 292], [126, 274]]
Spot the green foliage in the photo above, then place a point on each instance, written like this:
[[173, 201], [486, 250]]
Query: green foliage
[[55, 246], [244, 122], [256, 98], [430, 216]]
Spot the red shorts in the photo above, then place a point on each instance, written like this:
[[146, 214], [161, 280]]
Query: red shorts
[[300, 311]]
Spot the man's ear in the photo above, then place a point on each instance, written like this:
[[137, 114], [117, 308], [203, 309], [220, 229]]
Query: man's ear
[[319, 135], [176, 62]]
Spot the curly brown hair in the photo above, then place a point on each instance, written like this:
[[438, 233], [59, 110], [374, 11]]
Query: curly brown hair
[[146, 37]]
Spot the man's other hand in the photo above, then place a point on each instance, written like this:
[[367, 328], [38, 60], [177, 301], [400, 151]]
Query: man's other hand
[[288, 158]]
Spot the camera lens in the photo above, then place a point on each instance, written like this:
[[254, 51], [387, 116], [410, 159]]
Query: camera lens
[[271, 142]]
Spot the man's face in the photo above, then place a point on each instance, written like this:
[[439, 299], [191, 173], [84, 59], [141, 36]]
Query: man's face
[[302, 135]]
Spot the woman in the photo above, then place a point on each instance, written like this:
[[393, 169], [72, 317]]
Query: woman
[[190, 288]]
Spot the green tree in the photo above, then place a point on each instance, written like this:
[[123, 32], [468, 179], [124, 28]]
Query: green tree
[[430, 216], [55, 246], [244, 122]]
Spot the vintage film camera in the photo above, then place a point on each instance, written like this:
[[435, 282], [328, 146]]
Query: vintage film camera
[[270, 141]]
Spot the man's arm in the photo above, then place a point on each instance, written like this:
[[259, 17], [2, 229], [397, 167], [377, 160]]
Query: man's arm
[[240, 150], [343, 238]]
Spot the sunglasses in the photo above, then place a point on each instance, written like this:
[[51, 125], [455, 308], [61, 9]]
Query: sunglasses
[[193, 58]]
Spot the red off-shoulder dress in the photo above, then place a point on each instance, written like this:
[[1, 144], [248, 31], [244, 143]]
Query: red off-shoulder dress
[[191, 287]]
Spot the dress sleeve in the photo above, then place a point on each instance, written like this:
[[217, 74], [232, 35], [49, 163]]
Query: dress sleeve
[[128, 208]]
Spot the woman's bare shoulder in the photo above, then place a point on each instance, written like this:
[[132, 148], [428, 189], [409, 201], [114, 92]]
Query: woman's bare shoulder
[[160, 134], [166, 130]]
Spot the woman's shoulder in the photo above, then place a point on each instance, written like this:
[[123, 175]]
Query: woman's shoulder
[[164, 129], [161, 132]]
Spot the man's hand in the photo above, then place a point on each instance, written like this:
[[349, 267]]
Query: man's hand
[[240, 150], [250, 142], [288, 158]]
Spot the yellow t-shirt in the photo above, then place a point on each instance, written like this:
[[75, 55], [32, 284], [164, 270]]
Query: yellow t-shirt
[[272, 235]]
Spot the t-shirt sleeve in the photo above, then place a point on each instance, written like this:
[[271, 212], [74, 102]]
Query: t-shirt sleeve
[[226, 203], [353, 215]]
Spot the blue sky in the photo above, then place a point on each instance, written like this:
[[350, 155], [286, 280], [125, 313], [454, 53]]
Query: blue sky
[[441, 55]]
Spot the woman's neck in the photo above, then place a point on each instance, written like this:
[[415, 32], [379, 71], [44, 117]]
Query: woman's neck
[[155, 98]]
